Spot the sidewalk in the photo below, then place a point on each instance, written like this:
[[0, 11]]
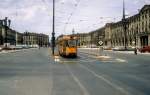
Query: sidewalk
[[130, 52], [95, 51], [12, 51]]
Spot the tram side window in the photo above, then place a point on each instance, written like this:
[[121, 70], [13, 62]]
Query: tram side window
[[60, 43], [65, 44]]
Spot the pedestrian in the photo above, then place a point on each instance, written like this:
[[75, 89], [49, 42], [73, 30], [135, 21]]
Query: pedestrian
[[135, 51]]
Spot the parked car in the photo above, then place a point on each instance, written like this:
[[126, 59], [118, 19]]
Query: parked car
[[107, 48], [145, 49], [93, 46], [131, 48], [19, 47]]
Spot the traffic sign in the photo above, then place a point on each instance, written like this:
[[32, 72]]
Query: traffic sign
[[100, 43]]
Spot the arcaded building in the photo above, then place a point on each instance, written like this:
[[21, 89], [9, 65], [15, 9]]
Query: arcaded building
[[114, 35], [137, 32], [35, 39]]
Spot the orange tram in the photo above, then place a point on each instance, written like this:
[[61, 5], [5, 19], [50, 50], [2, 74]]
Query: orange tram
[[67, 46]]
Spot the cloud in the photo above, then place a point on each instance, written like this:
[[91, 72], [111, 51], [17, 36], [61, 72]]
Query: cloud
[[36, 15], [25, 15]]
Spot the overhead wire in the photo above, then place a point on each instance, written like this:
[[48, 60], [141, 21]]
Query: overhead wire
[[71, 14], [47, 9]]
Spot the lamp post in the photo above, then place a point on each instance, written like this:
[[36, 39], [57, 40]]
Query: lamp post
[[5, 27], [1, 25], [53, 30], [16, 38], [7, 23], [124, 24]]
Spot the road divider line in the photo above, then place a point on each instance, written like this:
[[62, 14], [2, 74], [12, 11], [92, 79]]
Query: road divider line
[[84, 90], [121, 60], [106, 58], [106, 80], [97, 56]]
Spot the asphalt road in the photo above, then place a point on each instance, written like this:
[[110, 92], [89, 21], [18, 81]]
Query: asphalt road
[[33, 72]]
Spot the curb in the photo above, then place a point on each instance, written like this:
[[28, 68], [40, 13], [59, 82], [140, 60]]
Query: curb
[[12, 51]]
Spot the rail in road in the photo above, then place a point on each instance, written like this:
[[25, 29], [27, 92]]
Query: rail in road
[[34, 72], [80, 63], [121, 78]]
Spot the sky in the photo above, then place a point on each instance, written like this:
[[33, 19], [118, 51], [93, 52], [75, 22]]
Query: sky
[[81, 15]]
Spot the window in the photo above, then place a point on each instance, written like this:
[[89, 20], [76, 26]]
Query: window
[[71, 43]]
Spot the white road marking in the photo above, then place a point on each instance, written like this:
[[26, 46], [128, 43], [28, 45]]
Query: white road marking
[[64, 61], [57, 60], [120, 60], [107, 59], [105, 80], [97, 56], [87, 61], [94, 60], [83, 89]]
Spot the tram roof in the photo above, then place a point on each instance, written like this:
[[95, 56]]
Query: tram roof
[[67, 37]]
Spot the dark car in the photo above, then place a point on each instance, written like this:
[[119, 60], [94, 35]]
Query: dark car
[[145, 49]]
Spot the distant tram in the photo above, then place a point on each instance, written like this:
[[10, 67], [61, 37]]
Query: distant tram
[[67, 46]]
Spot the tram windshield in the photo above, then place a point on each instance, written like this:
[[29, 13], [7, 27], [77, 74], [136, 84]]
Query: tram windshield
[[72, 43]]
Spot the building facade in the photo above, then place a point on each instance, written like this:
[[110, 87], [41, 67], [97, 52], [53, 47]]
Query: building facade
[[35, 39], [97, 35], [90, 39], [133, 32], [137, 32], [7, 35], [1, 32], [12, 37], [19, 38], [143, 26], [83, 39]]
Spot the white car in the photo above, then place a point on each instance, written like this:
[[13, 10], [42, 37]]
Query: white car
[[118, 48]]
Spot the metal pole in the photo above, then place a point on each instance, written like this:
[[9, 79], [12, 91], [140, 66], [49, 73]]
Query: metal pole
[[3, 31], [124, 21], [53, 31], [135, 40], [5, 25], [16, 38], [125, 31]]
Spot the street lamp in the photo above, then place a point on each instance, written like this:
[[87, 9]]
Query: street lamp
[[124, 23], [53, 30], [7, 23], [16, 38]]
